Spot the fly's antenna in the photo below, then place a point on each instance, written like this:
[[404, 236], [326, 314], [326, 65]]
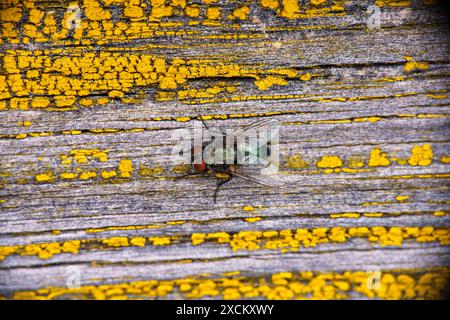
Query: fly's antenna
[[201, 119]]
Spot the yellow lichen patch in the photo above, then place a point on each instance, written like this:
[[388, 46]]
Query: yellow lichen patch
[[285, 72], [271, 4], [392, 3], [182, 168], [197, 238], [69, 175], [296, 162], [133, 12], [160, 241], [42, 250], [414, 65], [248, 208], [21, 136], [83, 155], [102, 101], [44, 177], [401, 198], [221, 175], [345, 215], [47, 250], [147, 171], [213, 13], [173, 223], [375, 203], [445, 159], [378, 158], [10, 14], [116, 242], [291, 9], [192, 11], [240, 13], [138, 241], [109, 174], [88, 175], [24, 123], [253, 219], [115, 75], [329, 162], [367, 119], [393, 284], [282, 240], [101, 156], [183, 119], [292, 240], [105, 229], [269, 81], [125, 168], [197, 93], [86, 102], [373, 214], [40, 102], [64, 101], [306, 77], [355, 162], [390, 79], [437, 96], [94, 11], [220, 237], [421, 155]]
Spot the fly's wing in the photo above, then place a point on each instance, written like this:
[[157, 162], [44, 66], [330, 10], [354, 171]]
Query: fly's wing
[[253, 173], [249, 153], [255, 126], [251, 170]]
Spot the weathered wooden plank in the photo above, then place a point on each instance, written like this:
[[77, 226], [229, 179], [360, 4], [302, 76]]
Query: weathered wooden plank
[[90, 203]]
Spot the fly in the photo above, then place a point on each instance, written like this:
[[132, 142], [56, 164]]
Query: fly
[[243, 159]]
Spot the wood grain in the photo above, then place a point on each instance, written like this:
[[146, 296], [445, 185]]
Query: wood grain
[[88, 190]]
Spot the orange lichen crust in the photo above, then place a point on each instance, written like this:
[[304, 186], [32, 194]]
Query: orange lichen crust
[[287, 240], [382, 284]]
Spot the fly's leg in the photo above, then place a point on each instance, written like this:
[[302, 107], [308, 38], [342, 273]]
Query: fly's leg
[[186, 175], [221, 183], [203, 121], [199, 117], [190, 174]]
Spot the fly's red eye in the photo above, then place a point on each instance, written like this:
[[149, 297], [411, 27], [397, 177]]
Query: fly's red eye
[[201, 167]]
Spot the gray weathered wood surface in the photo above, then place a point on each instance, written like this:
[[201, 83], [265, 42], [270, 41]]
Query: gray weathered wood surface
[[384, 89]]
